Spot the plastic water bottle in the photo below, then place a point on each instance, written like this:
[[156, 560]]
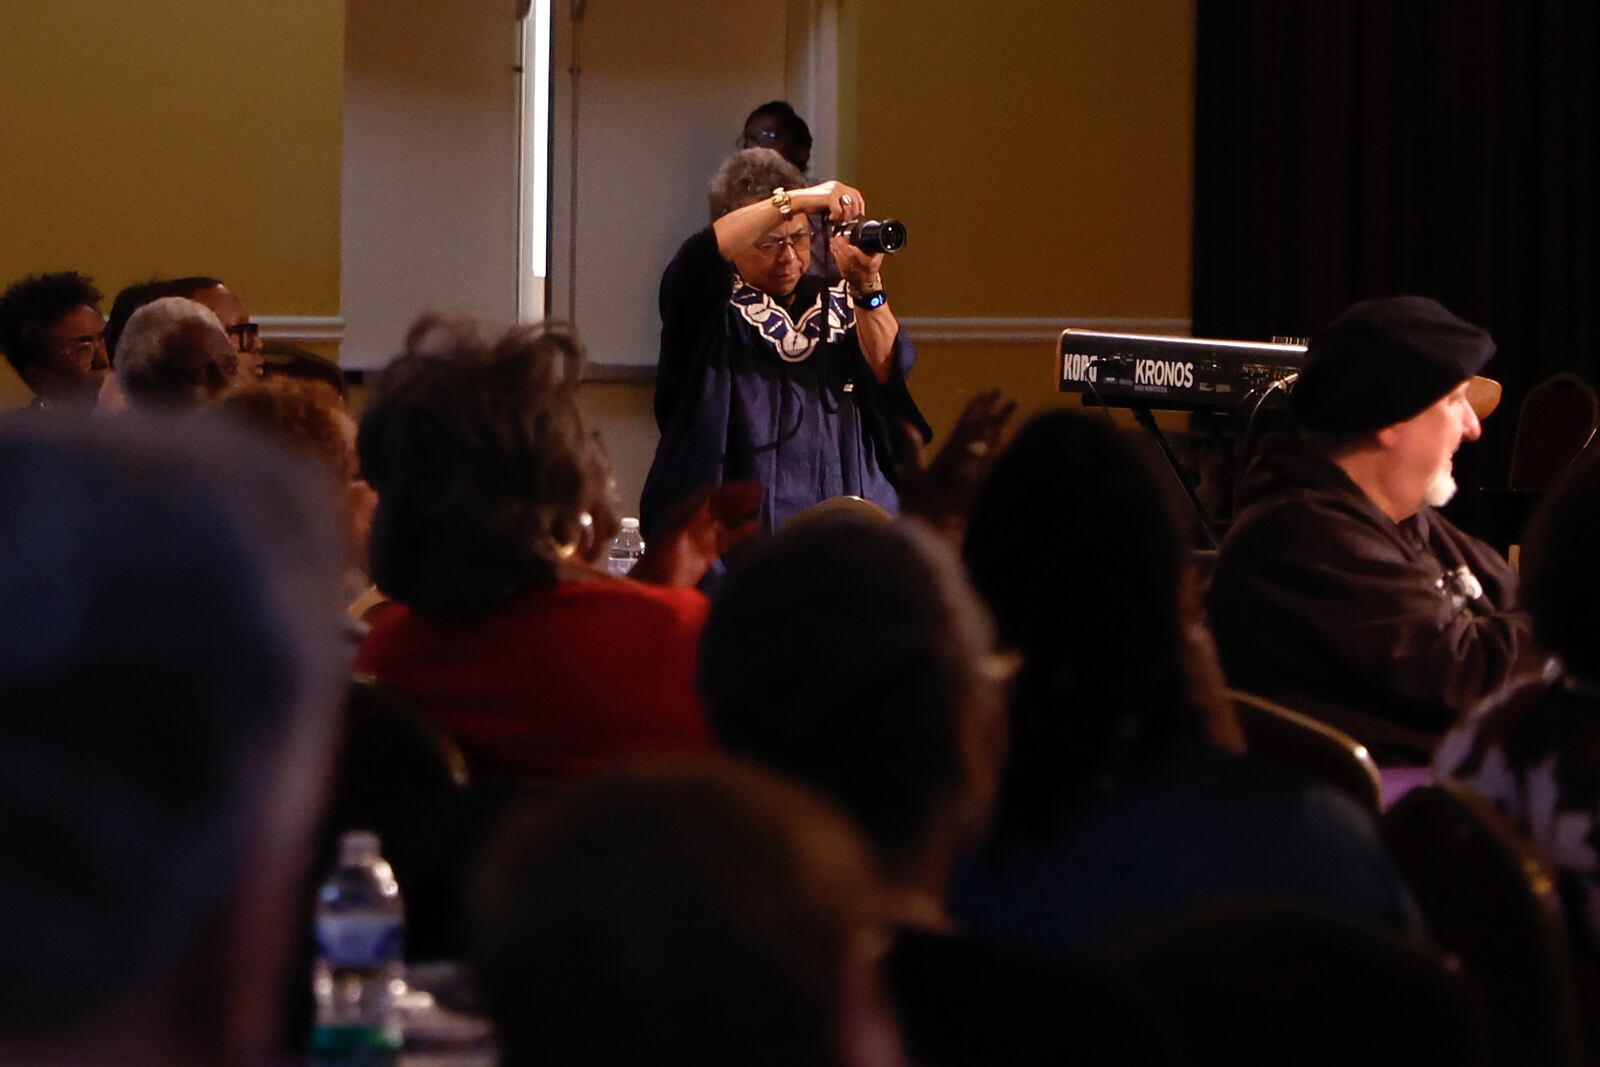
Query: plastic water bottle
[[626, 549], [359, 971]]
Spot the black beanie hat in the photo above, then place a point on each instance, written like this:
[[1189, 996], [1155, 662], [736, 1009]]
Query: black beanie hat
[[1383, 361]]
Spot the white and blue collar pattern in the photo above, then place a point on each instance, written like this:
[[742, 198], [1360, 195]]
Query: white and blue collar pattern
[[793, 341]]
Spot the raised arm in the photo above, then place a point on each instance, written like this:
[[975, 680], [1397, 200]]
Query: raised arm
[[742, 227], [876, 326]]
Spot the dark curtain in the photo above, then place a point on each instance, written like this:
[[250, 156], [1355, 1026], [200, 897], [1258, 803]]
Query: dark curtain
[[1374, 147]]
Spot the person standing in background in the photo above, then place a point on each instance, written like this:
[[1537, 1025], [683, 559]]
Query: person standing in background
[[775, 125]]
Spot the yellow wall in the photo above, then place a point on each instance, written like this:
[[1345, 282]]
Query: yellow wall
[[1041, 156], [180, 137]]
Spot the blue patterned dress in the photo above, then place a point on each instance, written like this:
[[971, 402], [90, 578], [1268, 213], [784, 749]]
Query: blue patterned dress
[[751, 387]]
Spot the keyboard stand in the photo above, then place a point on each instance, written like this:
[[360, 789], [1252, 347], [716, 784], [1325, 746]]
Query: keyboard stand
[[1141, 415]]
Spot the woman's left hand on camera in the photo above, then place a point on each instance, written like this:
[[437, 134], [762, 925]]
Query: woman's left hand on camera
[[857, 267]]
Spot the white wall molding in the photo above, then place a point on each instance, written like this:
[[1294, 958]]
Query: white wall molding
[[1030, 331], [302, 329]]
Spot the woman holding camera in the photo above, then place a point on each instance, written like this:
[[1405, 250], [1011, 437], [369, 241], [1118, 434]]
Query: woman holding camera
[[765, 372]]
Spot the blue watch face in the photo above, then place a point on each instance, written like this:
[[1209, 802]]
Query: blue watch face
[[872, 300]]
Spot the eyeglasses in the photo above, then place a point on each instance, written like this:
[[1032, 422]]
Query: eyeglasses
[[246, 336], [766, 137], [772, 247], [81, 349]]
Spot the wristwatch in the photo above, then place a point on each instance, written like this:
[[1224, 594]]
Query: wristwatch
[[780, 200], [868, 299]]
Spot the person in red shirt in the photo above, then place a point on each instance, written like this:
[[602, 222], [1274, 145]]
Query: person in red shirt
[[493, 506]]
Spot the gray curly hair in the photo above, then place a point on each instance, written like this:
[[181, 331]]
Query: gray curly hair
[[750, 175], [174, 351]]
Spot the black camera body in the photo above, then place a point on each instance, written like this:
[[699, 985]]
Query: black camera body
[[872, 236]]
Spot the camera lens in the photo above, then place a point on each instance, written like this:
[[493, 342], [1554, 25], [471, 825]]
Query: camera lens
[[874, 237], [892, 235]]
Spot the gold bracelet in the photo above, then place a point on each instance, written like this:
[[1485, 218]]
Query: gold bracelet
[[780, 200]]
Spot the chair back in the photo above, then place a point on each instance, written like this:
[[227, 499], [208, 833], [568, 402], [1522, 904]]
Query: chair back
[[390, 745], [1557, 422], [1489, 901], [289, 361], [1283, 982], [402, 776], [394, 774], [1296, 743]]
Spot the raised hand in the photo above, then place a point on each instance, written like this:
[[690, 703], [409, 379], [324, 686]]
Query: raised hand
[[942, 491], [698, 532]]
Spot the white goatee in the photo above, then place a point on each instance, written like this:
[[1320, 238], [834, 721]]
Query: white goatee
[[1440, 488]]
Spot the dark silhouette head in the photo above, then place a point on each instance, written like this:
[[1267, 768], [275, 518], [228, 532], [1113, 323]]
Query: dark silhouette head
[[136, 296], [703, 917], [775, 125], [853, 656], [1075, 545]]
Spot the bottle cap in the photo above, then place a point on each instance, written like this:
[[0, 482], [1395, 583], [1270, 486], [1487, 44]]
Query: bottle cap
[[630, 524], [357, 847]]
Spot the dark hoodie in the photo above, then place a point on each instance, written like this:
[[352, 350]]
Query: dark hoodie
[[1322, 602]]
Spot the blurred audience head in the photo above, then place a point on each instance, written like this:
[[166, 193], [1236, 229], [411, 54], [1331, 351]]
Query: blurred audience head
[[244, 335], [173, 355], [230, 311], [486, 478], [53, 336], [170, 662], [1560, 579], [130, 299], [853, 656], [747, 176], [777, 126], [708, 916], [308, 417], [1075, 545]]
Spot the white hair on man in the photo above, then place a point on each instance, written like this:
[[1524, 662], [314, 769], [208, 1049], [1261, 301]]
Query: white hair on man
[[174, 354]]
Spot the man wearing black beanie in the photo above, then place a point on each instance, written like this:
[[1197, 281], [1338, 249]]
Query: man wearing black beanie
[[1340, 591]]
